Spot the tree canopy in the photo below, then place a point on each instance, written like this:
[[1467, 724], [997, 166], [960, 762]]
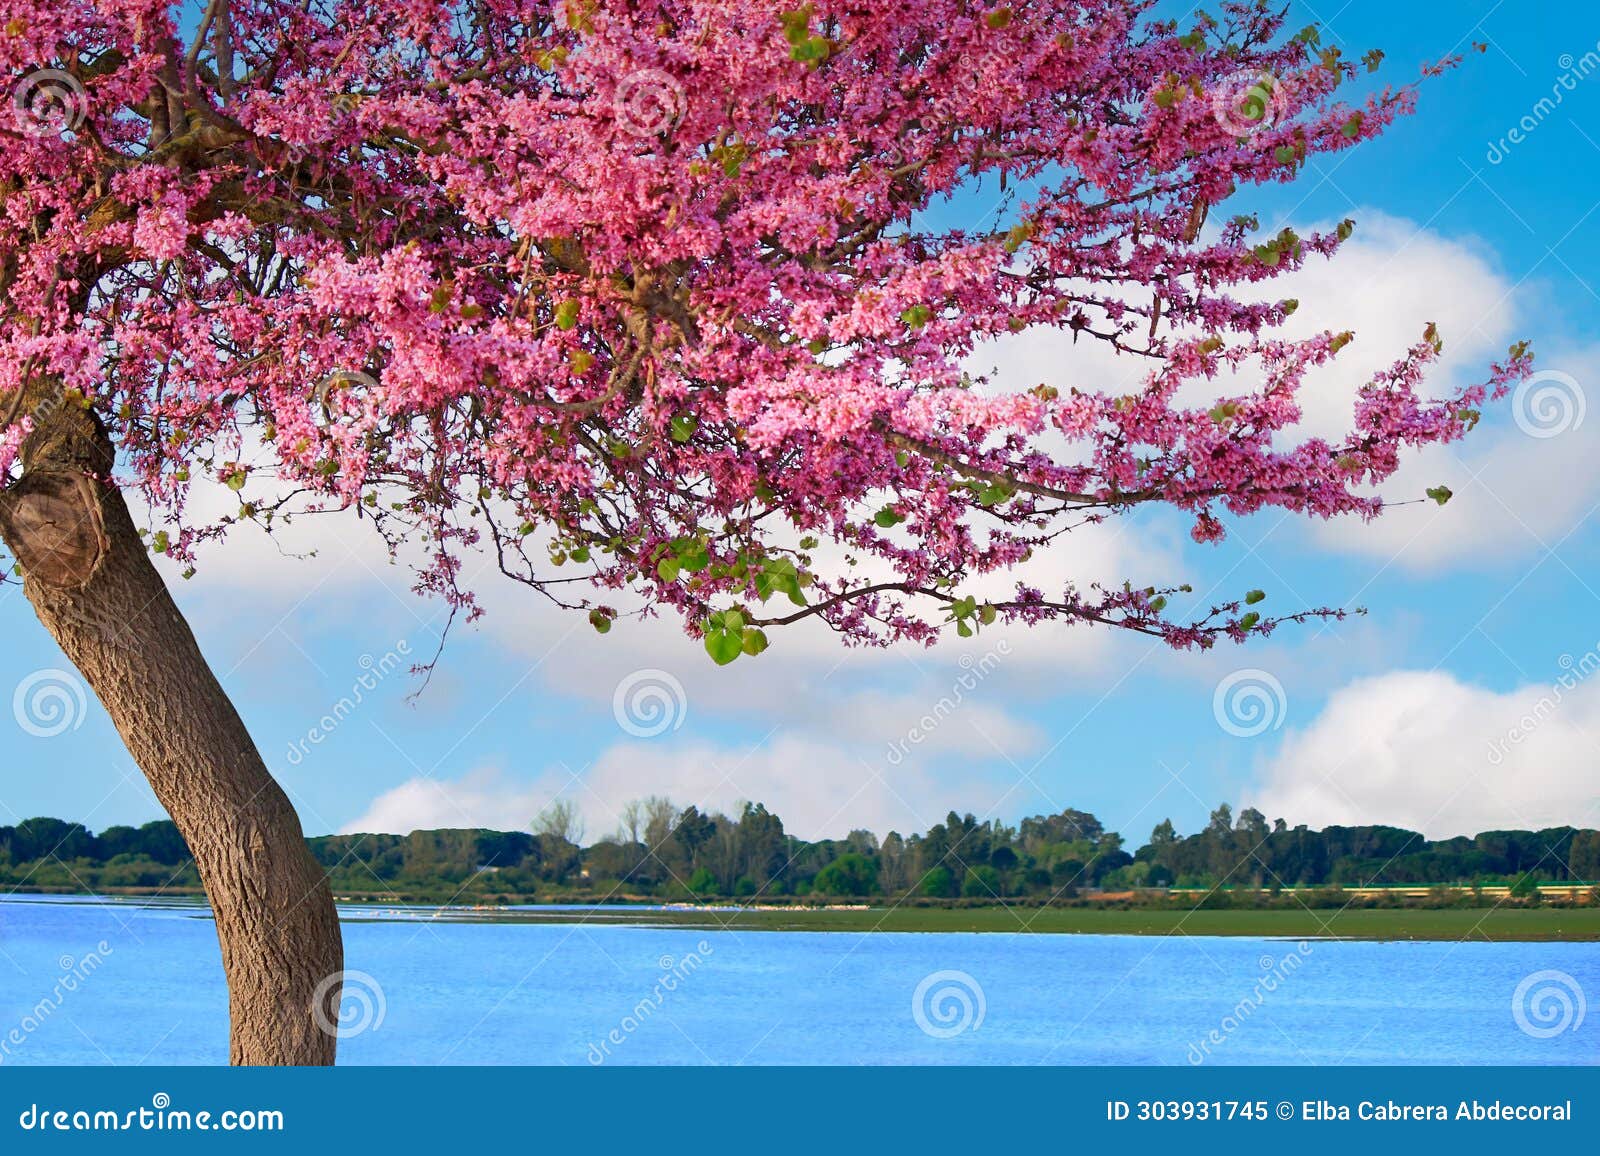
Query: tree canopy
[[649, 297]]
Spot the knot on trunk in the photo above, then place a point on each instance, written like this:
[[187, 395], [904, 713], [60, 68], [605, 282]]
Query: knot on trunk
[[52, 521]]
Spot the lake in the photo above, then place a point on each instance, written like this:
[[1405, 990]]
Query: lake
[[131, 982]]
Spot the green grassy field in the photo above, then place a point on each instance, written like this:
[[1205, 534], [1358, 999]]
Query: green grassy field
[[1484, 924]]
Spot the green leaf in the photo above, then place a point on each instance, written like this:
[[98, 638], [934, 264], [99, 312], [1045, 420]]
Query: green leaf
[[600, 620], [888, 517], [1248, 622], [1440, 494], [567, 315], [813, 50], [994, 493], [724, 645], [796, 24], [160, 542], [998, 19], [668, 568], [1255, 596], [733, 158], [917, 316], [755, 641], [1018, 237], [683, 426]]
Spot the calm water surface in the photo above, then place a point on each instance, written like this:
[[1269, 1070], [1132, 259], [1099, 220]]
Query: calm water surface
[[146, 987]]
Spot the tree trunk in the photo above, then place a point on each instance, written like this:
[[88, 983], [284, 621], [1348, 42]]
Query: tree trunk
[[89, 577]]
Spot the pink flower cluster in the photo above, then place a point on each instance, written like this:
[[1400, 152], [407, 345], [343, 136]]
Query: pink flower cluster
[[647, 296]]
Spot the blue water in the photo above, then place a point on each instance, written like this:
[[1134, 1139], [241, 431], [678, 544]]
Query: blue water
[[125, 983]]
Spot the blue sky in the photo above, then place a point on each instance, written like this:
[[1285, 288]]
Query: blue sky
[[1457, 703]]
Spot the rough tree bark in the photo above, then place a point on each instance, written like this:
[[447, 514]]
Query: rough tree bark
[[90, 579]]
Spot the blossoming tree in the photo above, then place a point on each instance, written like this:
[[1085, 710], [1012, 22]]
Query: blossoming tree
[[643, 297]]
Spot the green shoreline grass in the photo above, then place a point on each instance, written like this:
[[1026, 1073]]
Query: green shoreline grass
[[1502, 924], [1489, 924]]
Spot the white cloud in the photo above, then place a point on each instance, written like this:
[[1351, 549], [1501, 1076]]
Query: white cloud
[[819, 789], [1515, 495], [1386, 284], [483, 798], [1425, 751]]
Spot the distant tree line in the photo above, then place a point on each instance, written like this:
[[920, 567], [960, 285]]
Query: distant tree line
[[663, 851], [51, 854]]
